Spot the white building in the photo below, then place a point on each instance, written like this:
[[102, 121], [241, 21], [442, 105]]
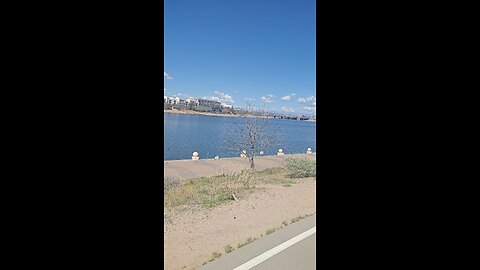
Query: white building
[[171, 100], [194, 102]]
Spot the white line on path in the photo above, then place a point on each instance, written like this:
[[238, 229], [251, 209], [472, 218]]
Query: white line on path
[[266, 255]]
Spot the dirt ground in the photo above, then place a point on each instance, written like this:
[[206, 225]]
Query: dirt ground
[[191, 236]]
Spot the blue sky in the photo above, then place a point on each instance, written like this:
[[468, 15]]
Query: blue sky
[[238, 50]]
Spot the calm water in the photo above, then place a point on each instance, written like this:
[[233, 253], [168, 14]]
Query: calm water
[[185, 134]]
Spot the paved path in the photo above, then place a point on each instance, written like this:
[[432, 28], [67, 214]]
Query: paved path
[[292, 247], [189, 169]]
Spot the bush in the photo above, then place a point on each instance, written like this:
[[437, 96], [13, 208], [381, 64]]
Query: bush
[[228, 248], [169, 183], [301, 167]]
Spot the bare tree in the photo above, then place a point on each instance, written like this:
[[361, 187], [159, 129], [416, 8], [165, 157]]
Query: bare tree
[[251, 135]]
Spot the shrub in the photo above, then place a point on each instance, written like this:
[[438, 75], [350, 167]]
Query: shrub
[[228, 248], [169, 183], [301, 167]]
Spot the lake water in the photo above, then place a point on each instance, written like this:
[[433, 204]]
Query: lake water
[[185, 134]]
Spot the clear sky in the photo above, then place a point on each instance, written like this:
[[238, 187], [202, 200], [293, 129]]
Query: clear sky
[[238, 50]]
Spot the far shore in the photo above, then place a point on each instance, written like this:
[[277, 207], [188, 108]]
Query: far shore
[[175, 111], [191, 112]]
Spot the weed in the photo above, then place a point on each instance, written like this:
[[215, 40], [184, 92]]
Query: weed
[[285, 223], [301, 167], [269, 231], [170, 183], [216, 255], [211, 191], [298, 218], [248, 241], [295, 219], [270, 171], [228, 248]]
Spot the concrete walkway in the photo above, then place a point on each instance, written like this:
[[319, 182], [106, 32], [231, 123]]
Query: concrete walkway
[[189, 169]]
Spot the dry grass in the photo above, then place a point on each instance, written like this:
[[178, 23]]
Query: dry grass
[[216, 255], [296, 219], [248, 241], [269, 231], [209, 192], [170, 183], [301, 167]]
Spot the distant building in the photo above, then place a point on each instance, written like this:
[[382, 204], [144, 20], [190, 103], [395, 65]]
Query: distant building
[[194, 102], [171, 100], [208, 102]]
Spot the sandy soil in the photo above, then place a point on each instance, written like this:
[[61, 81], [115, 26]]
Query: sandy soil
[[190, 237]]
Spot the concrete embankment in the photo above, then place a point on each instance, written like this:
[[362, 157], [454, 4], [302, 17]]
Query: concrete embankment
[[190, 169]]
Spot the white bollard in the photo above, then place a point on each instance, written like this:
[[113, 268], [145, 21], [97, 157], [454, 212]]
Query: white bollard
[[309, 150], [280, 152], [195, 156]]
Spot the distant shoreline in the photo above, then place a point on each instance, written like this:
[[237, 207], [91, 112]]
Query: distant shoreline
[[175, 111], [191, 112]]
